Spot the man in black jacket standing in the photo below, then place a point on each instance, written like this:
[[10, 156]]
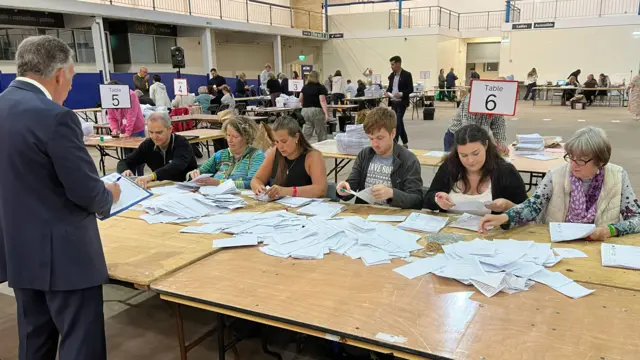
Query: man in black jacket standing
[[168, 155], [400, 87]]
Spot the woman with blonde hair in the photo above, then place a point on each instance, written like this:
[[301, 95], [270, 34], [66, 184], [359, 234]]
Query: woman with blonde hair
[[242, 89], [227, 98], [313, 98], [532, 78], [240, 161]]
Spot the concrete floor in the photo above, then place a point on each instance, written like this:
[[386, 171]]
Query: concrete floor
[[146, 329]]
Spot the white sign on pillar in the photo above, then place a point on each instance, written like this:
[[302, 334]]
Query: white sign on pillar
[[180, 87], [115, 96], [493, 97], [296, 85]]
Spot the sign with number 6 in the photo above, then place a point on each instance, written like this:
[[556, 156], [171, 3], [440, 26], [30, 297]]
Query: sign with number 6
[[115, 96], [296, 85], [493, 97]]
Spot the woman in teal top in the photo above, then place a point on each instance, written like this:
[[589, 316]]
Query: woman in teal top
[[240, 161]]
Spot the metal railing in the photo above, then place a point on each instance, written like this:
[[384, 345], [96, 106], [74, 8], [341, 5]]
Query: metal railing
[[436, 16], [564, 9], [251, 11]]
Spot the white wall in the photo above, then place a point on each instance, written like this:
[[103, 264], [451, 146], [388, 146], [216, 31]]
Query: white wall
[[452, 53], [467, 6], [358, 23], [9, 67], [291, 49], [556, 53], [461, 6]]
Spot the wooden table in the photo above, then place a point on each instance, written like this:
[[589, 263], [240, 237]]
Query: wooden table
[[89, 114], [270, 110], [369, 101], [210, 118], [119, 144], [341, 299], [621, 92]]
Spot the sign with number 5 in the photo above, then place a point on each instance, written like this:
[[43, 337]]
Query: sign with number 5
[[115, 96], [296, 85], [493, 97]]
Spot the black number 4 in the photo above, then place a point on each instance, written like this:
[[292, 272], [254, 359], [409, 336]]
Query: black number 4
[[115, 99], [490, 105]]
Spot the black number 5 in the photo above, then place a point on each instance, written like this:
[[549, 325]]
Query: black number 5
[[115, 99], [490, 105]]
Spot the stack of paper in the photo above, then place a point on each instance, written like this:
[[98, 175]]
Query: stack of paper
[[191, 185], [321, 209], [529, 144], [295, 202], [467, 222], [622, 256], [169, 189], [227, 187], [176, 207], [570, 231], [423, 222]]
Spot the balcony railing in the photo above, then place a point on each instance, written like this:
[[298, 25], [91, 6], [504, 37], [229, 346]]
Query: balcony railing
[[436, 16], [565, 9], [251, 11]]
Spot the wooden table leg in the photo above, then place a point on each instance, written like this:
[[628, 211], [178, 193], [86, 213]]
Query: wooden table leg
[[180, 328], [221, 345]]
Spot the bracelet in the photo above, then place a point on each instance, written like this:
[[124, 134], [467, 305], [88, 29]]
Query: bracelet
[[154, 177], [295, 191], [612, 229]]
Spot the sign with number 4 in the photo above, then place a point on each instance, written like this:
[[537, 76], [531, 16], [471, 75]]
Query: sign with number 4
[[115, 96], [296, 85], [180, 87], [493, 97]]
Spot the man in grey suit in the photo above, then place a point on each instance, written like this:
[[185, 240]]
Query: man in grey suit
[[50, 193]]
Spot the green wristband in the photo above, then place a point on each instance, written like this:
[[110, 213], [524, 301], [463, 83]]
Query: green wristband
[[612, 230]]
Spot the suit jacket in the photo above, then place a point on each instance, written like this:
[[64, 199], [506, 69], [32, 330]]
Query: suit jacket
[[405, 85], [50, 194], [284, 87]]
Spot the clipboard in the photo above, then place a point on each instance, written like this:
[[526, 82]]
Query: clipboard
[[131, 194]]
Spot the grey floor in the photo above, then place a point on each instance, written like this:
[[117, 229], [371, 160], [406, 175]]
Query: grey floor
[[145, 329]]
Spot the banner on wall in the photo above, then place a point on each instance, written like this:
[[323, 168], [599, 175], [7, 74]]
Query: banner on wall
[[31, 18]]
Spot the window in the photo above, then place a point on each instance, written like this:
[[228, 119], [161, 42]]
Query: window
[[491, 66], [143, 49], [84, 46], [163, 49], [10, 39]]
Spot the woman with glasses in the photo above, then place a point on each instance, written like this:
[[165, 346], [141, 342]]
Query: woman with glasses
[[588, 189]]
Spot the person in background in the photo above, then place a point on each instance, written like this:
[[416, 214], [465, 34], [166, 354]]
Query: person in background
[[328, 83], [451, 83], [473, 75], [588, 190], [495, 126], [183, 101], [368, 75], [127, 122], [141, 81], [158, 92], [284, 84], [361, 88], [634, 97], [242, 89], [227, 98], [313, 99], [337, 88], [203, 99], [388, 169], [294, 168], [603, 82], [568, 94], [442, 81], [273, 86], [264, 78], [532, 80], [240, 161], [50, 193], [168, 155], [474, 171], [591, 83], [216, 80], [351, 89], [295, 76], [575, 75], [143, 99], [398, 91]]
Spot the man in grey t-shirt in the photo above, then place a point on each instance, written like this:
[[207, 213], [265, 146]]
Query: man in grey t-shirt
[[379, 173]]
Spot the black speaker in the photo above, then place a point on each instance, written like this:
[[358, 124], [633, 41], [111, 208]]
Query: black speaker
[[177, 57]]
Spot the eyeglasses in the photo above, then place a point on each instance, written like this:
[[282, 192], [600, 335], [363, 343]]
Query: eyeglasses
[[568, 158]]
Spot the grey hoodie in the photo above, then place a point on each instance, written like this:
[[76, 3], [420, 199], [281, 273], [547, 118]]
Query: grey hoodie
[[158, 93]]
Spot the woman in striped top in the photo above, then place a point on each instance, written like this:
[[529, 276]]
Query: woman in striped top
[[240, 161]]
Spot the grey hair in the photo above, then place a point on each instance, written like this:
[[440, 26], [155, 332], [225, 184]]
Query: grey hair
[[203, 90], [160, 116], [590, 142], [138, 93], [42, 56]]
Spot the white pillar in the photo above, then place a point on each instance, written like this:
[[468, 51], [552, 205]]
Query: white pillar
[[277, 54], [207, 42], [100, 47]]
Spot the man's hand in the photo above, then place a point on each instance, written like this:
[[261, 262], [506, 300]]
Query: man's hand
[[114, 188], [125, 135], [343, 188], [127, 173], [143, 181], [381, 192]]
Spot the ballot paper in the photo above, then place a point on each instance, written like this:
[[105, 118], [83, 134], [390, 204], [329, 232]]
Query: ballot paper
[[202, 229], [422, 266], [169, 189], [622, 256], [227, 187], [235, 241], [295, 202], [462, 270], [574, 290], [424, 223], [130, 194], [436, 153], [540, 157], [191, 185], [246, 192], [468, 222], [569, 231], [568, 253], [489, 284], [321, 209], [551, 278], [365, 195], [471, 206], [386, 218]]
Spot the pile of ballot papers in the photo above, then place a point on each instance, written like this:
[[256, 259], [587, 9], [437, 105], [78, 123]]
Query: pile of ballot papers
[[185, 207], [622, 256], [352, 140], [529, 144], [509, 266]]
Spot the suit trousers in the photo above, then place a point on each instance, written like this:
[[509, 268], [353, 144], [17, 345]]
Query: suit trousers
[[74, 317], [401, 132]]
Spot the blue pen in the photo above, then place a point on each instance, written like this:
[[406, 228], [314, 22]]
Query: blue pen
[[118, 179]]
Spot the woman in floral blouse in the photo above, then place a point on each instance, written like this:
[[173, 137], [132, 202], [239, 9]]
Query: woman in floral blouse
[[587, 190]]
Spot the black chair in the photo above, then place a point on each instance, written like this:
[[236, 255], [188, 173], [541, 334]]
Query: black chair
[[213, 109], [242, 108], [222, 108]]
